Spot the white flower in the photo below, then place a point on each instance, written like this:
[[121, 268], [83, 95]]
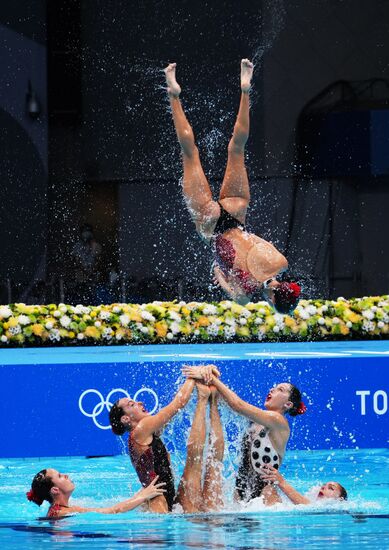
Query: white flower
[[49, 325], [374, 308], [242, 321], [368, 314], [62, 308], [107, 333], [218, 321], [229, 332], [304, 314], [144, 330], [124, 320], [97, 324], [324, 308], [78, 309], [57, 313], [181, 303], [119, 336], [138, 325], [23, 320], [321, 321], [175, 316], [210, 309], [258, 321], [368, 326], [260, 335], [335, 321], [169, 336], [226, 304], [279, 319], [230, 321], [380, 324], [312, 309], [15, 330], [262, 311], [246, 313], [213, 330], [104, 315], [80, 336], [341, 299], [349, 324], [196, 332], [147, 316], [65, 321], [55, 335], [5, 312], [4, 338], [157, 303], [116, 309], [175, 328], [276, 328], [385, 318]]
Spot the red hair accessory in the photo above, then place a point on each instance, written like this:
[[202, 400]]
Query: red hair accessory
[[31, 496], [294, 289], [302, 408]]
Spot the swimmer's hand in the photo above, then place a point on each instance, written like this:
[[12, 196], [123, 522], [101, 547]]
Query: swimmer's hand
[[272, 475], [151, 491], [201, 372]]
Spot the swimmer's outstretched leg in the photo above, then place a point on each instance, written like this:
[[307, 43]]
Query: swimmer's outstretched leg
[[189, 493], [197, 192], [235, 191], [213, 481]]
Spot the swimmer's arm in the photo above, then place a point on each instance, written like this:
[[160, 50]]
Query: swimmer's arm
[[273, 475], [151, 424], [269, 419], [229, 288], [151, 491]]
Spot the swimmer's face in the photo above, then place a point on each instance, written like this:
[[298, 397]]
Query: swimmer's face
[[330, 490], [278, 398], [133, 410], [62, 482]]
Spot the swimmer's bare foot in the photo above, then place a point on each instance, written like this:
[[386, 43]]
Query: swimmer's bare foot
[[172, 87], [246, 73]]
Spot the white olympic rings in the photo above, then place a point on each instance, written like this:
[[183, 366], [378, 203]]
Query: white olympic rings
[[107, 403]]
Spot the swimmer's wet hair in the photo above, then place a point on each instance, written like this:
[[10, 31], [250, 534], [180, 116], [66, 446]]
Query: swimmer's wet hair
[[40, 488], [343, 492], [286, 297], [115, 415], [295, 397]]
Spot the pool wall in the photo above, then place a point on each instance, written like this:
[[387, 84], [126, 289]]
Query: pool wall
[[55, 400]]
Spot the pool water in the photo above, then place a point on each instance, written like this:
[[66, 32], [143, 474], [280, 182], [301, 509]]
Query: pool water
[[361, 522]]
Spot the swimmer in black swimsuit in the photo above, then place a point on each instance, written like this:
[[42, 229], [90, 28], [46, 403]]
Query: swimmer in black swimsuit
[[57, 488], [246, 266], [330, 490], [150, 457], [265, 441]]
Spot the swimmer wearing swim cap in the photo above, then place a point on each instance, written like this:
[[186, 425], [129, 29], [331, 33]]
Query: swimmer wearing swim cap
[[246, 266]]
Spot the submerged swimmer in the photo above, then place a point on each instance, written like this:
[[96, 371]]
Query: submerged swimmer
[[330, 490], [266, 438], [150, 457], [246, 266], [57, 488]]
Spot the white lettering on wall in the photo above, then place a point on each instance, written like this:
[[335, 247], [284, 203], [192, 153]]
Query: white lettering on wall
[[379, 402]]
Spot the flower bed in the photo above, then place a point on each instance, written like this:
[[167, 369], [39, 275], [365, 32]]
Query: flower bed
[[164, 322]]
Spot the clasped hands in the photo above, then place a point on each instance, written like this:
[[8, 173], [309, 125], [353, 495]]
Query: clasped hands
[[205, 373]]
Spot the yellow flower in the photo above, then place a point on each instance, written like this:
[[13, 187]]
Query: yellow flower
[[344, 330], [12, 322], [92, 332], [185, 311], [161, 328], [38, 330], [203, 321], [93, 314], [72, 334], [353, 317]]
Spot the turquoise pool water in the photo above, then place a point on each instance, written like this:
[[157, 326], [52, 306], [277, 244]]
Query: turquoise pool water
[[362, 522]]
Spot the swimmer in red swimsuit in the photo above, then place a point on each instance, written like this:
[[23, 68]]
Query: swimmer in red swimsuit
[[150, 457], [246, 266], [57, 488]]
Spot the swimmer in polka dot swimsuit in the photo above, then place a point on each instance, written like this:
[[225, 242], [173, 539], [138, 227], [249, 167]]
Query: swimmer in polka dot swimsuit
[[265, 441]]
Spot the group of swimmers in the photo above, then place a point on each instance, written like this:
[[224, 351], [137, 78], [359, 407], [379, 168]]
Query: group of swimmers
[[246, 267], [201, 486]]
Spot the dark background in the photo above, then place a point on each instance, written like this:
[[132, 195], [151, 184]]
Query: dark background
[[103, 150]]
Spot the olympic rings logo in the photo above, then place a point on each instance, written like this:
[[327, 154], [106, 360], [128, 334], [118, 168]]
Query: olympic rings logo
[[108, 402]]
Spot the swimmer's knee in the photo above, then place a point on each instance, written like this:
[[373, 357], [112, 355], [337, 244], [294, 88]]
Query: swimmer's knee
[[211, 211], [187, 142]]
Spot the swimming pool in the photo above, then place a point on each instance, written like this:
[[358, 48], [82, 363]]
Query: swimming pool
[[362, 522]]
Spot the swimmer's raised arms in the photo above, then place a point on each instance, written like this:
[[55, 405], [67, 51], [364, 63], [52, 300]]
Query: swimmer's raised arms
[[246, 266], [330, 490]]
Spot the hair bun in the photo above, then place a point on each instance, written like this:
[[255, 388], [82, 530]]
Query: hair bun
[[32, 497]]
